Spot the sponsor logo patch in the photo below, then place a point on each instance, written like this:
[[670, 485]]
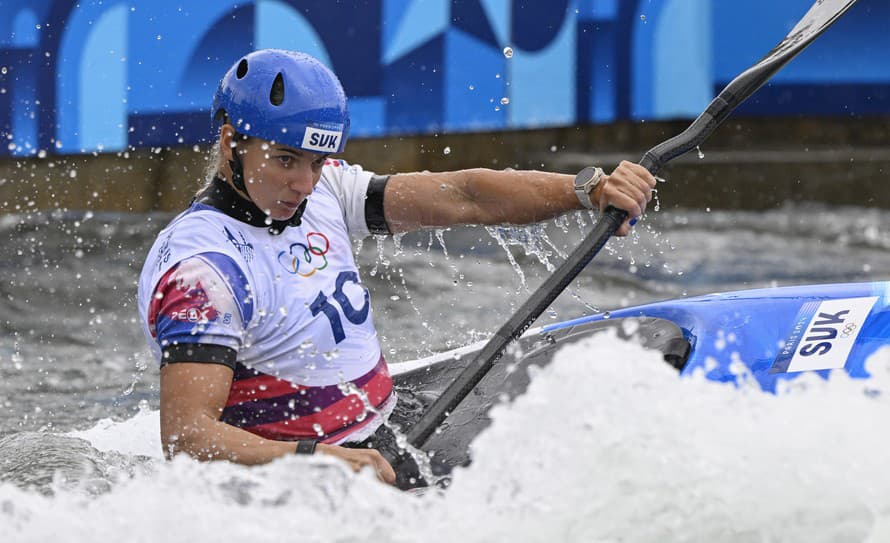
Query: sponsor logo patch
[[823, 335], [192, 305], [323, 141]]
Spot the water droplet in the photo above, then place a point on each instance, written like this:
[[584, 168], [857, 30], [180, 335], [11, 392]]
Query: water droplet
[[472, 87], [505, 100], [700, 154], [3, 70], [508, 52], [552, 148], [643, 18], [318, 429], [630, 326], [447, 150]]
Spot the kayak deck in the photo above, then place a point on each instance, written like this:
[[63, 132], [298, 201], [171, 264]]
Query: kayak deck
[[419, 387]]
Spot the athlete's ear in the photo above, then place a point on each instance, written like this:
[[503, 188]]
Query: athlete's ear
[[226, 140]]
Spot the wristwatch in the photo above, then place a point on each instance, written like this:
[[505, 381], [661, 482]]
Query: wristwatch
[[587, 180], [305, 446]]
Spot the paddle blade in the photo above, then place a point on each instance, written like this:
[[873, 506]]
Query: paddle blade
[[821, 15]]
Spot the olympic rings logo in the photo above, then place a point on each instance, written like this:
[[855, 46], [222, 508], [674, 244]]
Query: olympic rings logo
[[304, 259], [849, 328]]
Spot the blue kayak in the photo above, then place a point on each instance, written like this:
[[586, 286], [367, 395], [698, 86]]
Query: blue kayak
[[776, 333], [771, 335]]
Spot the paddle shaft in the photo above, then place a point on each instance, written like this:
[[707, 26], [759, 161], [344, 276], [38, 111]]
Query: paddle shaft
[[820, 16]]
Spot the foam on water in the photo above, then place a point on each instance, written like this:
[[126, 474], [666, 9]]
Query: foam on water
[[607, 444]]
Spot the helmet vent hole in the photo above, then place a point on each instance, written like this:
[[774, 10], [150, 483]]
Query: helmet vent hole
[[242, 69], [276, 95]]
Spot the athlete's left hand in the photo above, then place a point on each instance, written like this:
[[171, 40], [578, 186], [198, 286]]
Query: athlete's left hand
[[359, 458], [628, 187]]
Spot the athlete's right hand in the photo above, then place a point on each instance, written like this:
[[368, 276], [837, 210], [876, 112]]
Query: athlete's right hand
[[629, 187], [359, 458]]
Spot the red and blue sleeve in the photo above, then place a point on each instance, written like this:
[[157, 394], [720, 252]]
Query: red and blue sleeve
[[200, 310]]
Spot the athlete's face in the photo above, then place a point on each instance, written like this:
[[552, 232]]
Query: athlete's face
[[278, 177]]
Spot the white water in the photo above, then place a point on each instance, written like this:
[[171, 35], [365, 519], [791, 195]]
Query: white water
[[607, 445]]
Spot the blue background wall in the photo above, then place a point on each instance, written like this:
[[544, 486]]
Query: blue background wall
[[91, 75]]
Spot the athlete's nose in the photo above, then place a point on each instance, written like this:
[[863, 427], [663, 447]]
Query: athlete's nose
[[302, 180]]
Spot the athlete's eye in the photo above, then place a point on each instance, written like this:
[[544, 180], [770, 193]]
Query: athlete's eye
[[285, 160], [319, 162]]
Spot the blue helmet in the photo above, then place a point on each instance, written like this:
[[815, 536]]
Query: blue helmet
[[286, 97]]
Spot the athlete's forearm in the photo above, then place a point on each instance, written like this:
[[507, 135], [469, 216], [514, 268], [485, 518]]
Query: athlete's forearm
[[476, 196], [207, 439], [519, 197]]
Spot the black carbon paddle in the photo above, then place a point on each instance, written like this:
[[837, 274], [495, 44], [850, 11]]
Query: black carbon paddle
[[820, 16]]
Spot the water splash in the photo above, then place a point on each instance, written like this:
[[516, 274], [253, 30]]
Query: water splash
[[440, 237], [382, 260], [496, 233]]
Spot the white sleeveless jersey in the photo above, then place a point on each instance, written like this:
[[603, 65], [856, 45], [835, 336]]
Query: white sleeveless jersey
[[291, 305]]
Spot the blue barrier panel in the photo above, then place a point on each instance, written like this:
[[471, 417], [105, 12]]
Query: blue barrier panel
[[110, 75]]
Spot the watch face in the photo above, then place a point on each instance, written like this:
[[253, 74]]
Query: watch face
[[584, 178]]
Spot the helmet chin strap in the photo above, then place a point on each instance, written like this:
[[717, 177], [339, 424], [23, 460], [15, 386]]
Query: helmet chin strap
[[237, 168]]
